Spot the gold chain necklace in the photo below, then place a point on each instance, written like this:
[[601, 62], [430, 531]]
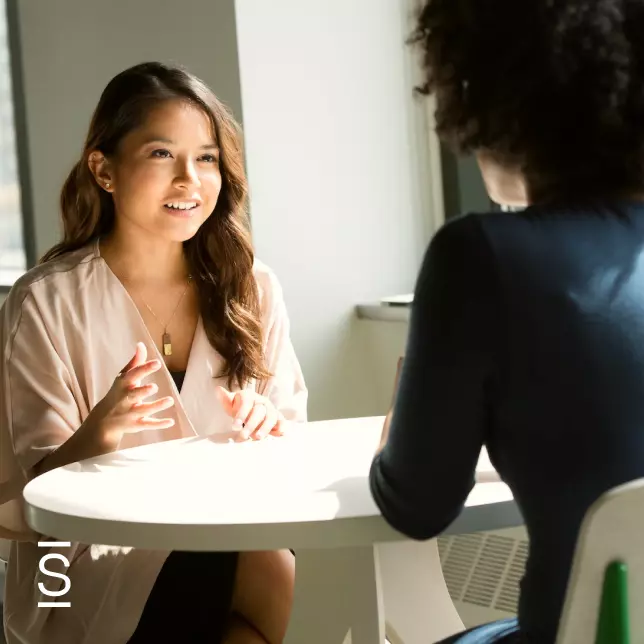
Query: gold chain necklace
[[166, 339]]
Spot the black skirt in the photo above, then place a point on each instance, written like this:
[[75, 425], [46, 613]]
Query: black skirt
[[190, 600]]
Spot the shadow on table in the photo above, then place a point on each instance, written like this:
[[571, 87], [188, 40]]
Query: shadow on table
[[354, 494], [348, 487]]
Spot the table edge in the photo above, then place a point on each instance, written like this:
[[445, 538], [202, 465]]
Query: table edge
[[329, 533]]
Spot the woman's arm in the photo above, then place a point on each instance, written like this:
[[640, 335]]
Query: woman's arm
[[38, 412], [425, 471], [85, 442]]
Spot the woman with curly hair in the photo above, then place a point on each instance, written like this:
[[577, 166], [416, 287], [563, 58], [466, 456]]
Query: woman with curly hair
[[151, 320], [527, 328]]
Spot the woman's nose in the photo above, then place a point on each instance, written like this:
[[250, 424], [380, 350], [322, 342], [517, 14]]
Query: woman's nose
[[187, 175]]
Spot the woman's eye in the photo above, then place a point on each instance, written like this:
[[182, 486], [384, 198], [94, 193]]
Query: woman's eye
[[209, 158], [161, 154]]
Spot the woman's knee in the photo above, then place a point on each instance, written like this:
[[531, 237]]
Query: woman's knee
[[263, 592]]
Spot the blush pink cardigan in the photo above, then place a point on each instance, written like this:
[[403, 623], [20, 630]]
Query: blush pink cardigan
[[66, 330]]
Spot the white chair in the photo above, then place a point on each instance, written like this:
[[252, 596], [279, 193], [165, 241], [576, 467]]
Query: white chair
[[417, 605], [607, 576], [413, 588]]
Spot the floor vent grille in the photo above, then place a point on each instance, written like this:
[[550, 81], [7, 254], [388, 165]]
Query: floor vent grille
[[484, 569]]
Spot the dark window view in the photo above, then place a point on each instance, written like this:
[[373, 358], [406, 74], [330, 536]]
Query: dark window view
[[13, 260]]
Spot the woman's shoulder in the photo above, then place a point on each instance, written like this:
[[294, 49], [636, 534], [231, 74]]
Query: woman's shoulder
[[462, 234], [57, 277], [464, 251], [476, 225], [268, 283], [494, 232], [271, 296]]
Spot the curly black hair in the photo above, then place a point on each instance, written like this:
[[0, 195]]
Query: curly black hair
[[555, 87]]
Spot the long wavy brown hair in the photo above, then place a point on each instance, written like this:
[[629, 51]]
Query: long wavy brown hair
[[220, 255]]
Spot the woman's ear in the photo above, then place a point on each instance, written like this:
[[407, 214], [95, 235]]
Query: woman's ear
[[99, 166], [504, 183]]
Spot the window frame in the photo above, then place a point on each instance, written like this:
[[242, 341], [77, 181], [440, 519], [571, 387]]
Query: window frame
[[21, 136], [430, 164]]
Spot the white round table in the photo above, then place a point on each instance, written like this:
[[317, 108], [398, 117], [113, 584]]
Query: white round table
[[307, 491]]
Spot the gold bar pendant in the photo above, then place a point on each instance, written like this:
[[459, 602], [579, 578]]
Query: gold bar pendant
[[167, 345]]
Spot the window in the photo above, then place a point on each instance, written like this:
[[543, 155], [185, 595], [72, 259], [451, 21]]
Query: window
[[454, 184], [14, 255]]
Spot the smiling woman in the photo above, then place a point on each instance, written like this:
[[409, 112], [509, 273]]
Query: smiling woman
[[124, 170], [156, 272], [180, 173]]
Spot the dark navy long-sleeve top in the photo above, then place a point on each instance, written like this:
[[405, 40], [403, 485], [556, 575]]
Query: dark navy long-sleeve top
[[526, 336]]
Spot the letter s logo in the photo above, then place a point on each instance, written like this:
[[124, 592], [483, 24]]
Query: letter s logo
[[51, 573]]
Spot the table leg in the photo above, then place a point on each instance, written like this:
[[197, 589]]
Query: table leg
[[337, 590], [417, 603], [368, 616]]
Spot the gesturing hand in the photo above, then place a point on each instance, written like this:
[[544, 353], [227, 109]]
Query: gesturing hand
[[123, 409], [254, 416]]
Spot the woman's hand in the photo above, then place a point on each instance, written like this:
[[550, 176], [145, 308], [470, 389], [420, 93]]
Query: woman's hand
[[123, 410], [385, 428], [254, 416]]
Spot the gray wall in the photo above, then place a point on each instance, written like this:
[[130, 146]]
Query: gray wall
[[463, 186]]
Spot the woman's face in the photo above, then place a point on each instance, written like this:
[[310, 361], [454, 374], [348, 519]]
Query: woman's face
[[165, 177]]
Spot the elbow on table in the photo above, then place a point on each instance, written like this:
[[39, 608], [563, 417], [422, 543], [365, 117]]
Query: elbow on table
[[418, 519], [419, 526]]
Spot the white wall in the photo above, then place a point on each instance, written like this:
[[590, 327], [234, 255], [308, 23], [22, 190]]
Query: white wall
[[333, 144], [72, 48]]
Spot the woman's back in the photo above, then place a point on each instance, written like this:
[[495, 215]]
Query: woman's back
[[528, 336], [569, 420], [527, 330]]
